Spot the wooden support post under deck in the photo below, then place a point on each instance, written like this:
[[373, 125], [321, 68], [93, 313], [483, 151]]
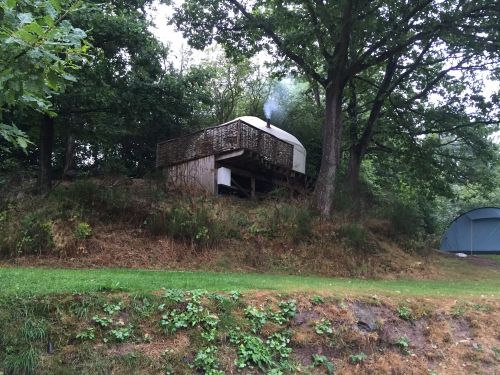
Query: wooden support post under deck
[[252, 191]]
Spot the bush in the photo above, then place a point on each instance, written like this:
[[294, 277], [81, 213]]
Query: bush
[[82, 231], [284, 220], [188, 222], [85, 198], [355, 236], [35, 236]]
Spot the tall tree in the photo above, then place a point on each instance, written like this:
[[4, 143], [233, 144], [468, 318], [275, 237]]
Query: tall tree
[[39, 52], [332, 42]]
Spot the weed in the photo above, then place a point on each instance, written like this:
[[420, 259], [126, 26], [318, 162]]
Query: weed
[[357, 358], [321, 360], [235, 295], [33, 330], [287, 311], [317, 300], [174, 295], [210, 323], [82, 231], [278, 343], [194, 223], [404, 312], [206, 360], [102, 321], [111, 309], [35, 235], [86, 334], [21, 363], [122, 333], [355, 236], [144, 307], [404, 345], [323, 326], [461, 307], [496, 351], [256, 317], [253, 351]]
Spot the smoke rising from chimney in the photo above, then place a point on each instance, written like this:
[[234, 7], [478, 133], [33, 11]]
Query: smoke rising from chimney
[[280, 97]]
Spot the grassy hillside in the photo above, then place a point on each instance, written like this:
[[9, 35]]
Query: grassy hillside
[[175, 331], [122, 223]]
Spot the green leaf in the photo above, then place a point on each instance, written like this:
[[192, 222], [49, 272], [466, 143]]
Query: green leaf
[[25, 18], [56, 4]]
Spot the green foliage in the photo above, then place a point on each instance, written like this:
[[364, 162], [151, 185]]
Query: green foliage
[[174, 295], [324, 326], [102, 321], [355, 236], [35, 236], [206, 360], [461, 307], [257, 318], [82, 231], [90, 199], [23, 363], [404, 312], [321, 360], [252, 351], [121, 333], [404, 345], [40, 50], [88, 334], [112, 308], [235, 295], [317, 300], [357, 358], [287, 311], [286, 220], [193, 222]]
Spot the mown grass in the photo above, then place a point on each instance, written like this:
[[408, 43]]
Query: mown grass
[[41, 281]]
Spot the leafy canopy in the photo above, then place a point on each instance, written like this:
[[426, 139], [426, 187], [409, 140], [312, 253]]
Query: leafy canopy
[[39, 50]]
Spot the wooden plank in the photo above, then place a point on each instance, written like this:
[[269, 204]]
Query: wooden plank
[[196, 174]]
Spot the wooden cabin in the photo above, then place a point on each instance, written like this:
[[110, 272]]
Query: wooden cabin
[[246, 156]]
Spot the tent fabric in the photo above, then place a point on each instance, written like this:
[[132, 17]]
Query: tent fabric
[[476, 231], [299, 152]]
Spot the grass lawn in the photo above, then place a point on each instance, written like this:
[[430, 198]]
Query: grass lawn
[[45, 281]]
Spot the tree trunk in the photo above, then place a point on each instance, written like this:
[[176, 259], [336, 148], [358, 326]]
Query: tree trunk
[[353, 170], [69, 157], [338, 76], [324, 190], [46, 143]]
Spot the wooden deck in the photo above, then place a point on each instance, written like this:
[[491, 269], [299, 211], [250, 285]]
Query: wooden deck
[[238, 135]]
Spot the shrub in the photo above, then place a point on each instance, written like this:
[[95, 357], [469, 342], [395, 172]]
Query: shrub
[[87, 198], [286, 220], [35, 235], [82, 231], [192, 223], [357, 358], [355, 236]]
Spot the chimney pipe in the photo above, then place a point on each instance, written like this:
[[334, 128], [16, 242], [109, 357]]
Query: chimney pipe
[[268, 123]]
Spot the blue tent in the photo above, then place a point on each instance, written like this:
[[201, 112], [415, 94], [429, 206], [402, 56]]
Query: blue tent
[[476, 231]]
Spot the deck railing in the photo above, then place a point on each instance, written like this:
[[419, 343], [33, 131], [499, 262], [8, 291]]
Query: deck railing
[[220, 139]]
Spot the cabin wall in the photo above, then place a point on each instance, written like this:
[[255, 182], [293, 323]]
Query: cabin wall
[[198, 174]]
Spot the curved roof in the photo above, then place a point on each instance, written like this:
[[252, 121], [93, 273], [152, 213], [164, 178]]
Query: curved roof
[[481, 213], [299, 152], [277, 132], [476, 231]]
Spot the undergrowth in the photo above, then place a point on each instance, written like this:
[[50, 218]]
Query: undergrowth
[[194, 331]]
